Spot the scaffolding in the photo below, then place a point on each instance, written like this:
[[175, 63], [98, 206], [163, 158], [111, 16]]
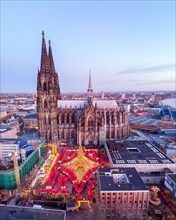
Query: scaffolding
[[8, 179]]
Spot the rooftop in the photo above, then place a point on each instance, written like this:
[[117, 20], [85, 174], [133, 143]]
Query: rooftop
[[10, 141], [80, 103], [172, 177], [164, 140], [4, 129], [136, 152], [143, 120], [31, 116], [29, 213], [121, 179]]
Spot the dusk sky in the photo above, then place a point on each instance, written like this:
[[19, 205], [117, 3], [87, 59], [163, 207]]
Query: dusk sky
[[128, 45]]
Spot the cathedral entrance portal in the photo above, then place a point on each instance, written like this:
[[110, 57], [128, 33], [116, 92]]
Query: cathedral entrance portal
[[90, 140]]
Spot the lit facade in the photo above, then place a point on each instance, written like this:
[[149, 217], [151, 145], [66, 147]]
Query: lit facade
[[140, 154], [8, 132], [122, 194], [9, 146], [30, 121], [89, 121], [170, 183]]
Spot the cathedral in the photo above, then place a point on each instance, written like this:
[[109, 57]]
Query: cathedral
[[82, 122]]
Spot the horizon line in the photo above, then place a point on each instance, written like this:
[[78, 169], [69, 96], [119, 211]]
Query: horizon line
[[93, 92]]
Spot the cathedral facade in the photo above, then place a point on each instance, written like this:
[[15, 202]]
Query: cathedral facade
[[83, 122]]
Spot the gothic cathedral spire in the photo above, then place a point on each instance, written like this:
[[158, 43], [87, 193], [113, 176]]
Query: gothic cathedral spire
[[90, 89], [48, 92], [50, 58], [44, 67]]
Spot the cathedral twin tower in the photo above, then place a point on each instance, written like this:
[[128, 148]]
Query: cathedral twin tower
[[90, 121], [48, 92]]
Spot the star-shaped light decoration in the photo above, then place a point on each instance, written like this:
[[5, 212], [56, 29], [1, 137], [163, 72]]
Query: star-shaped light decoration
[[81, 164]]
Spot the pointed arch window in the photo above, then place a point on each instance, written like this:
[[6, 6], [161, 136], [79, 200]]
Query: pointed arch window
[[73, 118], [50, 84], [58, 121], [67, 135], [39, 84], [107, 134], [112, 119], [68, 118], [45, 104], [49, 136], [107, 118], [112, 134], [98, 123], [44, 121], [49, 120], [62, 134], [72, 134], [82, 122], [44, 87], [90, 122], [62, 118]]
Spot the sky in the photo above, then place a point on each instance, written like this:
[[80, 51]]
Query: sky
[[128, 45]]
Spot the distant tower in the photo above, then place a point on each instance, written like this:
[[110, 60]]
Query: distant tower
[[123, 96], [102, 95], [48, 92], [90, 89], [153, 97]]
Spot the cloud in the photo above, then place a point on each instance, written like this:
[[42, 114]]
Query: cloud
[[156, 82], [144, 69]]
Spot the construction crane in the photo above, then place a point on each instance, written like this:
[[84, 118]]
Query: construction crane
[[23, 150], [14, 157]]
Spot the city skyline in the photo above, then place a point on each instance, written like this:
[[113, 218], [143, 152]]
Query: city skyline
[[129, 46]]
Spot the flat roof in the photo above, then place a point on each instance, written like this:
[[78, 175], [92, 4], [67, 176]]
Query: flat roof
[[136, 152], [107, 182], [164, 138], [29, 213], [2, 130], [31, 116], [5, 128], [10, 141], [143, 120]]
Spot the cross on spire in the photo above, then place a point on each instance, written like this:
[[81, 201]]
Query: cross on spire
[[44, 59]]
